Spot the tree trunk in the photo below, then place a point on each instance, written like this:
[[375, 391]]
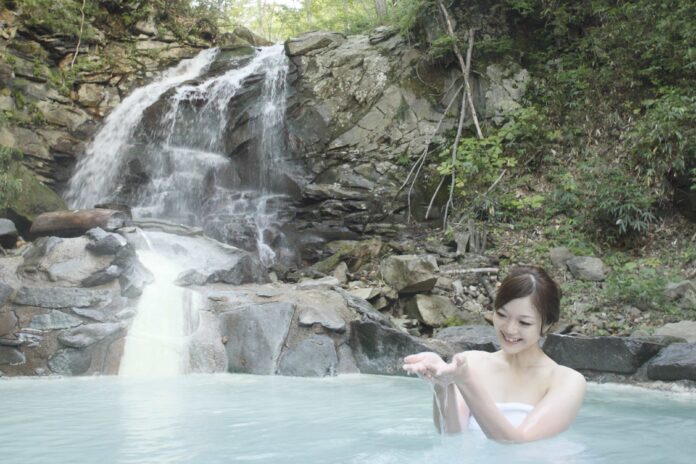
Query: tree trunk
[[381, 7]]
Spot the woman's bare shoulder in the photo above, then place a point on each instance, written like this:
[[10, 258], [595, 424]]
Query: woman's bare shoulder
[[565, 376]]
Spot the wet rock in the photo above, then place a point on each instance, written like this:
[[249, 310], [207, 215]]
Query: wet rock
[[191, 277], [70, 361], [134, 276], [675, 362], [102, 277], [588, 268], [325, 316], [206, 351], [410, 273], [681, 329], [256, 335], [89, 334], [8, 233], [606, 354], [381, 350], [11, 356], [104, 243], [54, 320], [61, 297], [94, 314], [432, 310], [246, 269], [312, 357], [470, 337], [560, 256]]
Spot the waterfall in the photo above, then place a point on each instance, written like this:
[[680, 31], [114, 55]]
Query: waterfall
[[165, 151], [203, 147]]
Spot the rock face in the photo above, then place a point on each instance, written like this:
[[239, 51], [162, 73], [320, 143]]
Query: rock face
[[410, 273], [676, 362], [605, 354], [471, 337]]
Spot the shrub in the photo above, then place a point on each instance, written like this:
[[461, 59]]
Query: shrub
[[10, 183]]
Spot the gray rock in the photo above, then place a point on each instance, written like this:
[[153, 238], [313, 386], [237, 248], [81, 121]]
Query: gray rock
[[191, 277], [105, 243], [5, 293], [310, 41], [255, 336], [206, 352], [316, 284], [246, 269], [681, 329], [8, 322], [363, 307], [325, 316], [675, 362], [341, 272], [470, 337], [432, 310], [8, 233], [102, 277], [560, 256], [89, 334], [410, 273], [313, 357], [11, 356], [676, 290], [588, 268], [134, 277], [54, 320], [70, 361], [381, 350], [94, 314], [606, 354], [61, 297]]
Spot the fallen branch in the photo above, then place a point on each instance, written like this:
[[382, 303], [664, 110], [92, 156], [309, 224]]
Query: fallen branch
[[79, 37], [472, 270]]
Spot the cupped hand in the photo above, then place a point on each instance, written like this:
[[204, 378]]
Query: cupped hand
[[431, 367]]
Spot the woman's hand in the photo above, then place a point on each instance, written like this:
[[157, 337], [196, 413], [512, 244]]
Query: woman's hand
[[431, 367]]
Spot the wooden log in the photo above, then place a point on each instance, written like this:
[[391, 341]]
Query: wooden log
[[77, 222]]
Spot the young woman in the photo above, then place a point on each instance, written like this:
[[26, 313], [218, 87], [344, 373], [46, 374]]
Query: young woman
[[517, 394]]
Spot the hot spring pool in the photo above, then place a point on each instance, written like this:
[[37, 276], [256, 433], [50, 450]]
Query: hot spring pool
[[206, 419]]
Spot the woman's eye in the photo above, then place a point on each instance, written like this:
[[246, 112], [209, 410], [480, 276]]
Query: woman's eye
[[526, 324], [500, 314]]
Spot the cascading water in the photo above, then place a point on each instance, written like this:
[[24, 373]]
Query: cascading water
[[205, 152]]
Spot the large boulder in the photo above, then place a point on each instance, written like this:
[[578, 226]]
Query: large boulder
[[381, 350], [432, 310], [61, 297], [314, 356], [255, 336], [311, 41], [675, 362], [70, 361], [89, 334], [606, 354], [410, 273], [470, 337], [587, 268], [681, 329]]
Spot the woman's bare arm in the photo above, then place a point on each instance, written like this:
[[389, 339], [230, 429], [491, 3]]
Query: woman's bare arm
[[450, 413]]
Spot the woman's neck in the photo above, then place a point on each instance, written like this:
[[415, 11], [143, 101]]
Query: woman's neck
[[532, 357]]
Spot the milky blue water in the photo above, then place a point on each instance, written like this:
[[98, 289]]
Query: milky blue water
[[346, 419]]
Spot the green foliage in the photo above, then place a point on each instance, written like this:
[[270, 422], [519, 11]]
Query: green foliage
[[60, 17], [663, 141], [616, 205], [10, 181], [639, 283]]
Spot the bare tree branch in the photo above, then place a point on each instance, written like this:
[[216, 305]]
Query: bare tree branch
[[79, 37]]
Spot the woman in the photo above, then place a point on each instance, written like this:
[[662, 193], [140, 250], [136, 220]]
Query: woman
[[517, 394]]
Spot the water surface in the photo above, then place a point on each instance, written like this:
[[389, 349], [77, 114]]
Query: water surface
[[347, 419]]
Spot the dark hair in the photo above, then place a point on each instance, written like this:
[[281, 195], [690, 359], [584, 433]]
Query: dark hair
[[524, 281]]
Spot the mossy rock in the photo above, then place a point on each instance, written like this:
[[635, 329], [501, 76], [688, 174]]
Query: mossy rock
[[35, 198], [354, 253]]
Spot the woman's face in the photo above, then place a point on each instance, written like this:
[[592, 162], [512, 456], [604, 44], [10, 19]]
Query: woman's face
[[518, 325]]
